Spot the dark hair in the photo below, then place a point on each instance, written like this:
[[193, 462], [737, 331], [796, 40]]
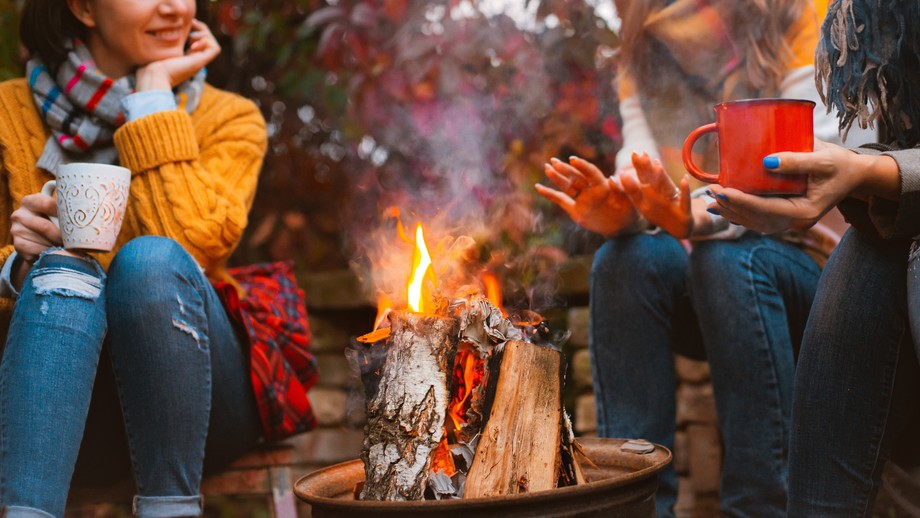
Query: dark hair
[[46, 26], [867, 66]]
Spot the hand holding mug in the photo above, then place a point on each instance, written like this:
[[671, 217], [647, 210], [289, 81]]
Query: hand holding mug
[[833, 173], [32, 229]]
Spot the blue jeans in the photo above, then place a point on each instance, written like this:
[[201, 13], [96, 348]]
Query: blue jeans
[[182, 377], [857, 380], [751, 298]]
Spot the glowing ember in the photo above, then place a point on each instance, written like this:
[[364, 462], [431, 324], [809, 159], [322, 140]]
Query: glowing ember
[[421, 262], [468, 373], [441, 459]]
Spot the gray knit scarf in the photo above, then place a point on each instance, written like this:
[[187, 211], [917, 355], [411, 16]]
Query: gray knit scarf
[[82, 107], [867, 66]]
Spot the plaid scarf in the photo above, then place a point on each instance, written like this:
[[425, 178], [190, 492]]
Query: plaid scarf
[[867, 66], [697, 65], [82, 106]]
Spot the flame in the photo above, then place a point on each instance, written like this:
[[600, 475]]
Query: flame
[[421, 263], [494, 291], [441, 459], [384, 305], [470, 368]]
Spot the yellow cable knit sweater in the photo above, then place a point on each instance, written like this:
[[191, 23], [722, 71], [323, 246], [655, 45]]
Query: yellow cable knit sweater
[[194, 175]]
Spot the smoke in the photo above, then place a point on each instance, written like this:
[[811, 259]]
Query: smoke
[[459, 148]]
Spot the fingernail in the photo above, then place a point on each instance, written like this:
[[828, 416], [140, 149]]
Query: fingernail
[[714, 211], [573, 157], [554, 159], [771, 162], [722, 197], [708, 192]]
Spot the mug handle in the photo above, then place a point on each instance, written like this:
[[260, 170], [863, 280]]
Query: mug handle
[[48, 190], [688, 151]]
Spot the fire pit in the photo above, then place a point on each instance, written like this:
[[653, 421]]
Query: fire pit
[[621, 483]]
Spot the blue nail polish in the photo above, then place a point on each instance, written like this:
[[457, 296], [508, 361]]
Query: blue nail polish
[[708, 192], [722, 197], [714, 211], [771, 162]]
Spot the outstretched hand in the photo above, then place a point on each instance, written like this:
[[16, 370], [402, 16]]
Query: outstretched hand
[[657, 198], [592, 200], [167, 73]]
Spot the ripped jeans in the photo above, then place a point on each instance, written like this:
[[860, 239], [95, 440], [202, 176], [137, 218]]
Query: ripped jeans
[[182, 378]]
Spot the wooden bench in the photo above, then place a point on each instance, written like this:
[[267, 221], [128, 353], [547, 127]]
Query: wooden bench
[[265, 472]]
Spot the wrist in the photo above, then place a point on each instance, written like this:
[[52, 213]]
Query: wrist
[[881, 176], [152, 77]]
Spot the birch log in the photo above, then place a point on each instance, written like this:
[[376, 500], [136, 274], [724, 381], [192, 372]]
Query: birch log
[[519, 450], [405, 418]]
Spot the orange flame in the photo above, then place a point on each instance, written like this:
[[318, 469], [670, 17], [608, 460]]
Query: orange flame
[[384, 305], [441, 459], [421, 264], [470, 368], [494, 291]]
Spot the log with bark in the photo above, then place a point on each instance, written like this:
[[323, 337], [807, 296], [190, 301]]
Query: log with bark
[[519, 450], [405, 418]]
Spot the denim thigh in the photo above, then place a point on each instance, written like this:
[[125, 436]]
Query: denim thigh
[[856, 381]]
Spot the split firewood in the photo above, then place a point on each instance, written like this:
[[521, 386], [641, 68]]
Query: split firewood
[[405, 418], [519, 450]]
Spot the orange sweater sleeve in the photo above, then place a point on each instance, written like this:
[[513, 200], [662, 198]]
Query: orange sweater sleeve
[[192, 183]]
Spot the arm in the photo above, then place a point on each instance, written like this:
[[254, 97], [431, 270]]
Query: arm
[[195, 185], [637, 134]]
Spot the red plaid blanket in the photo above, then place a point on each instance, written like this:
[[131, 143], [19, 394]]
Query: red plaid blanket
[[274, 317]]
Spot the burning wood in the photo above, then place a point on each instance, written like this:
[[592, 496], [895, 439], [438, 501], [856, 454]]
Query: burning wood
[[518, 452], [466, 374], [405, 418]]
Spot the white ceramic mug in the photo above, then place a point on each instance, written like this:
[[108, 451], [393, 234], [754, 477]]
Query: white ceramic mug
[[91, 201]]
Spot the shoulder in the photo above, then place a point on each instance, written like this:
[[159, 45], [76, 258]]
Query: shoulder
[[15, 100], [20, 125]]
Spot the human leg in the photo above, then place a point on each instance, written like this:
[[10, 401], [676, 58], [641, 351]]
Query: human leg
[[46, 378], [854, 382], [179, 366], [752, 297], [636, 284]]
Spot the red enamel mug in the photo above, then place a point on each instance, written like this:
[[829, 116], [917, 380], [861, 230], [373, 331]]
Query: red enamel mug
[[750, 130]]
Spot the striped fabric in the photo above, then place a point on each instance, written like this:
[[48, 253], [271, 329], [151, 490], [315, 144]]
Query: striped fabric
[[84, 113], [274, 317]]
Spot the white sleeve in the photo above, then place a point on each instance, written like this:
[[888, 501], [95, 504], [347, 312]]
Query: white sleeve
[[637, 135], [799, 83]]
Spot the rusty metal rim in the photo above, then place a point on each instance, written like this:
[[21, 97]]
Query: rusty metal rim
[[599, 486]]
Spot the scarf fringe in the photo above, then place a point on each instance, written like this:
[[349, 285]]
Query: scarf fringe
[[874, 46]]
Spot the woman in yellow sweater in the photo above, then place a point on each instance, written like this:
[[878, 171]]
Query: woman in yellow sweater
[[122, 82]]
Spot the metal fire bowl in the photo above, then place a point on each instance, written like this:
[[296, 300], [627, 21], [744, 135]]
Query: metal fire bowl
[[623, 485]]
